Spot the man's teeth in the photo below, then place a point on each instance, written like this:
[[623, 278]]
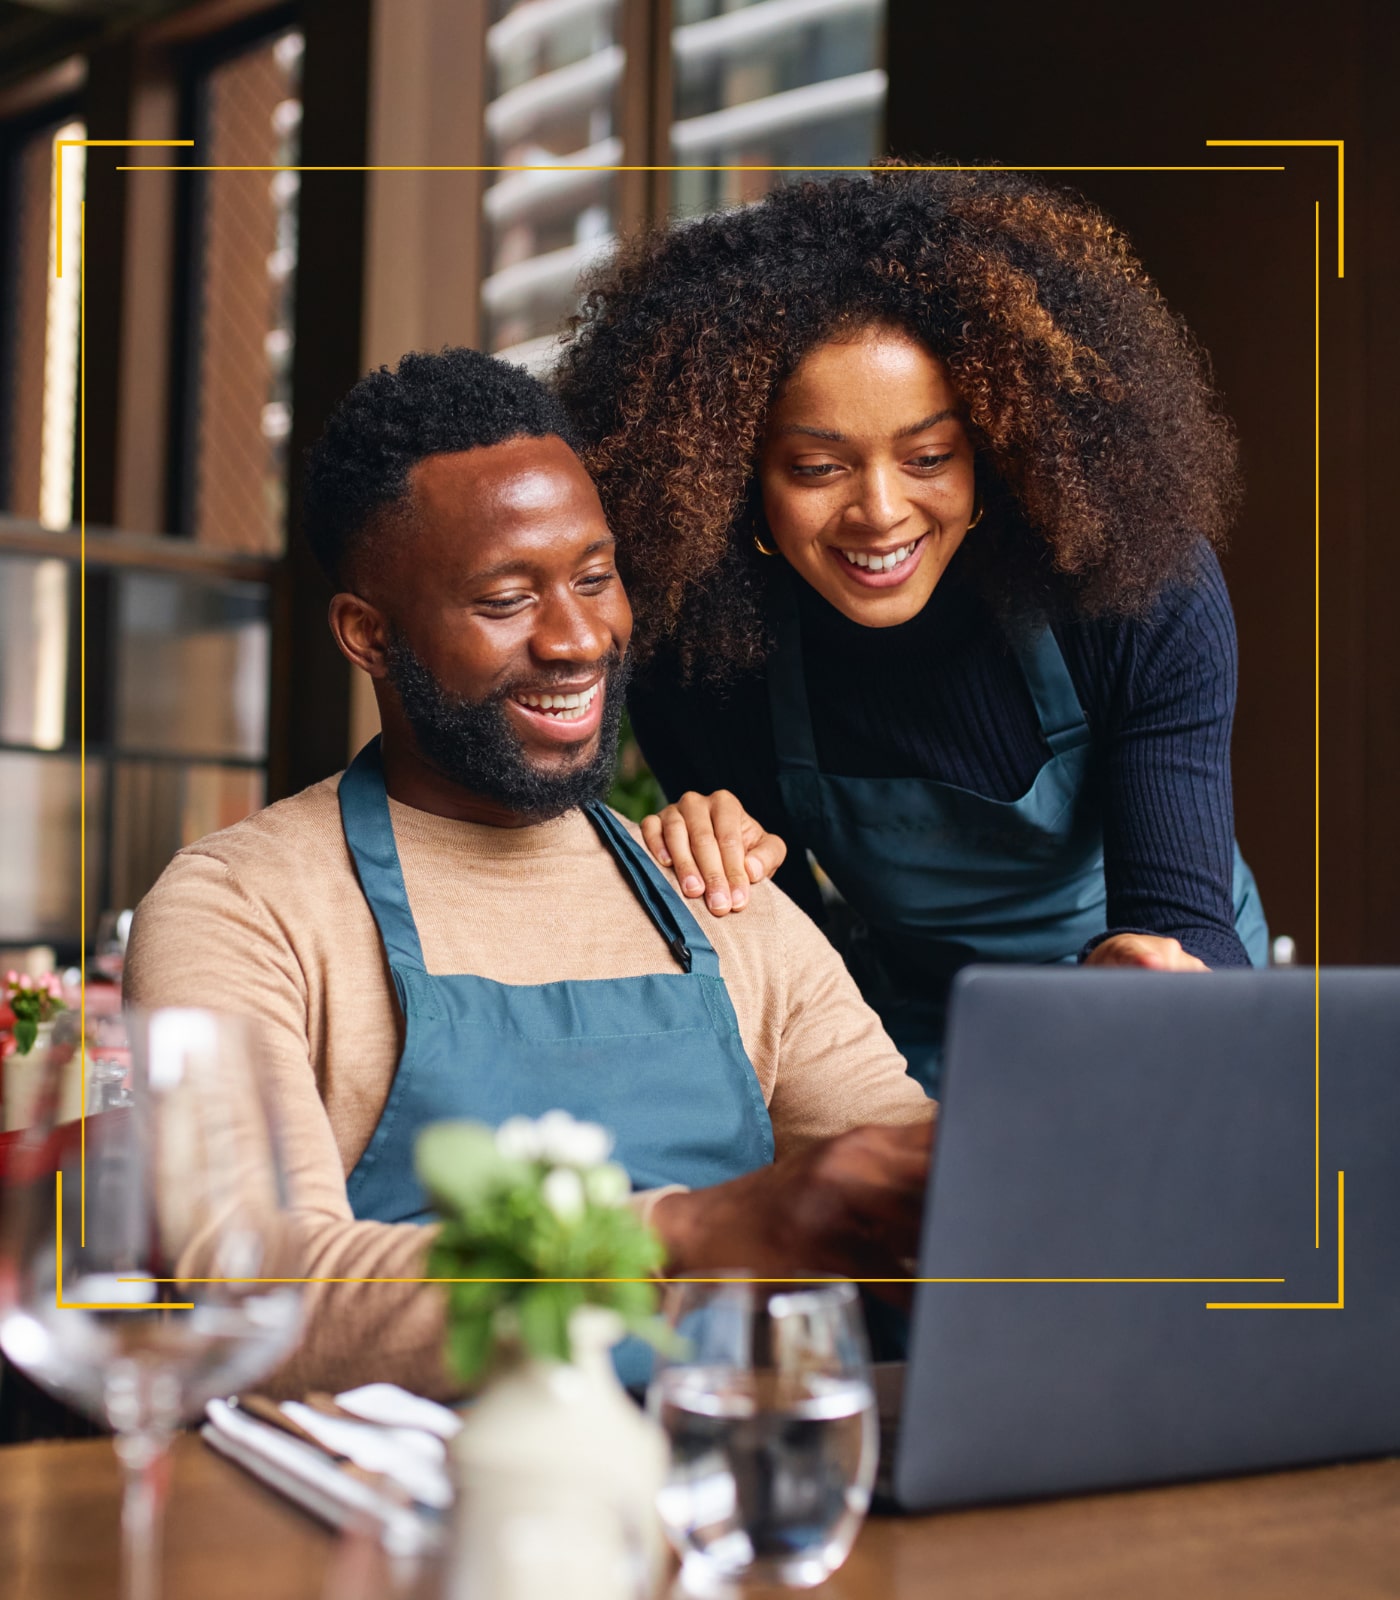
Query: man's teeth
[[562, 707], [859, 558]]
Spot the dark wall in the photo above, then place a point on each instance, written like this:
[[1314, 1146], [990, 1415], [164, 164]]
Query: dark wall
[[1089, 85]]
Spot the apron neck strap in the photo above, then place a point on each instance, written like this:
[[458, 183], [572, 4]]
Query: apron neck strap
[[1062, 720], [364, 815], [1061, 717], [682, 933], [369, 832]]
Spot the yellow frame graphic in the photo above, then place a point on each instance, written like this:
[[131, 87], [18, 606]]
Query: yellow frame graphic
[[1339, 1304], [96, 1305], [1338, 144]]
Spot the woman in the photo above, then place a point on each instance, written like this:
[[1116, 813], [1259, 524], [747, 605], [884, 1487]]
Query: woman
[[918, 486]]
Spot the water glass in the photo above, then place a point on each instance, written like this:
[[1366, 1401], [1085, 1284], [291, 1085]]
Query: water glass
[[109, 943], [768, 1403], [142, 1248]]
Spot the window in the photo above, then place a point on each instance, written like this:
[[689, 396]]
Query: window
[[41, 329], [248, 114], [760, 83], [778, 83], [176, 725], [555, 75]]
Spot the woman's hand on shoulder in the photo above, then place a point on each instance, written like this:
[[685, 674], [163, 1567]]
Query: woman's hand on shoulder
[[1144, 950], [714, 847]]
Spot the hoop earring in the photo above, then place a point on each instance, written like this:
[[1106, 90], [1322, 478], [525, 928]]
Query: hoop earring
[[977, 514], [762, 548]]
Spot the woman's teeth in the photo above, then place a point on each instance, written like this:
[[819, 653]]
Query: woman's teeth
[[859, 558], [562, 707]]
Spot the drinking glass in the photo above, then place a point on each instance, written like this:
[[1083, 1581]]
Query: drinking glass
[[770, 1410], [109, 943], [138, 1248]]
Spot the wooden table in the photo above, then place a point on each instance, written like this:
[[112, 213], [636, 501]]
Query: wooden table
[[1332, 1532]]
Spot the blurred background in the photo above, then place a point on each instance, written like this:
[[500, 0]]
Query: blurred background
[[226, 314]]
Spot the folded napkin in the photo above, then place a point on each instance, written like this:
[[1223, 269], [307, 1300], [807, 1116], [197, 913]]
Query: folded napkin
[[397, 1408], [408, 1456], [414, 1460]]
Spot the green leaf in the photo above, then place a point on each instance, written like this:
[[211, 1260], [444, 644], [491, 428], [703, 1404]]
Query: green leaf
[[490, 1264], [544, 1319], [469, 1345], [26, 1032], [468, 1300], [632, 1300], [663, 1338]]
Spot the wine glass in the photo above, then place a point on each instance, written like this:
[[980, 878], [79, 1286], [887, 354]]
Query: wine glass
[[140, 1249], [770, 1410]]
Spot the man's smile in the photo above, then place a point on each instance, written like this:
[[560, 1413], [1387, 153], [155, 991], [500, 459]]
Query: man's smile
[[564, 713]]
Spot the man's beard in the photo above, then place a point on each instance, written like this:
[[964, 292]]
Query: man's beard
[[473, 744]]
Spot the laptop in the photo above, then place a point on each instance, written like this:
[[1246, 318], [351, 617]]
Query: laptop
[[1133, 1126]]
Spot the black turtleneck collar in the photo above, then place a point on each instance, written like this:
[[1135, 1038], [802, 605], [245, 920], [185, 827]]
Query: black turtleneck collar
[[955, 612]]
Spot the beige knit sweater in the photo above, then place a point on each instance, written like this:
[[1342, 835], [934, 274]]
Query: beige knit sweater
[[267, 919]]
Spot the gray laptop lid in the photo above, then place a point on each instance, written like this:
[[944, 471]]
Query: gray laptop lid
[[1121, 1124]]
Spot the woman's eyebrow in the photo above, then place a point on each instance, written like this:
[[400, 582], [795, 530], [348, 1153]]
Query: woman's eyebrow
[[946, 415], [815, 433]]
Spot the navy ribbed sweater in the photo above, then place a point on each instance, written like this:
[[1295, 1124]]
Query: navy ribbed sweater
[[942, 697]]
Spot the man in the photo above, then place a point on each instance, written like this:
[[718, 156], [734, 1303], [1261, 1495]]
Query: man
[[455, 926]]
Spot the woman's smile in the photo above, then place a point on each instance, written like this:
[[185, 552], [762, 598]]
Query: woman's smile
[[880, 569]]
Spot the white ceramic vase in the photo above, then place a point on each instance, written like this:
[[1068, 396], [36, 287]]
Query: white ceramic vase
[[557, 1474]]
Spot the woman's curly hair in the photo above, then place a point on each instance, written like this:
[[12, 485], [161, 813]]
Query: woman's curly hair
[[1102, 451]]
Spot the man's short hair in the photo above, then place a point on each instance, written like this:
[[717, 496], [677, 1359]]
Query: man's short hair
[[430, 404]]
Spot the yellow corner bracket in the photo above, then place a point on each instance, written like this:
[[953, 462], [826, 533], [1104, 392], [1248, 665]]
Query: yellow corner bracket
[[60, 145], [94, 1305], [1339, 145], [1339, 1304]]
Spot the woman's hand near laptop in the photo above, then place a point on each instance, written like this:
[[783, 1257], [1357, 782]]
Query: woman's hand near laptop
[[849, 1206], [1144, 950], [714, 847]]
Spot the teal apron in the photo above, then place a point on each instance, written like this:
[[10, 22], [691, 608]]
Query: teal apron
[[939, 876], [655, 1059]]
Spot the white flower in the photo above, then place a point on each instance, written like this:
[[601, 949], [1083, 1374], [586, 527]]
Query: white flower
[[563, 1193], [518, 1139], [572, 1144], [607, 1185]]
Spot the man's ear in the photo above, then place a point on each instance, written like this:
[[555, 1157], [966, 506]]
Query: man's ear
[[362, 632]]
